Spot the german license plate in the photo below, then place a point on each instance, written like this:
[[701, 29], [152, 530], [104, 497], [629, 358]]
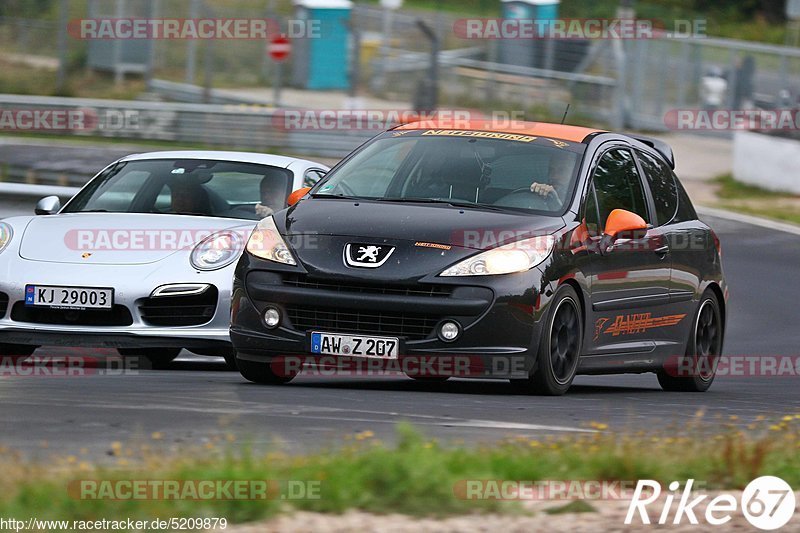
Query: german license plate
[[68, 297], [354, 345]]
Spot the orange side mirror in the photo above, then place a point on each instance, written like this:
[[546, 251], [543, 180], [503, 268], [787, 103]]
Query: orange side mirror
[[296, 195], [621, 221]]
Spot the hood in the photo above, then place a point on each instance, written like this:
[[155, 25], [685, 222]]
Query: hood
[[117, 238], [428, 223]]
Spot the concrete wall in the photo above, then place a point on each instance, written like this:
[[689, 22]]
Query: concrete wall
[[767, 161]]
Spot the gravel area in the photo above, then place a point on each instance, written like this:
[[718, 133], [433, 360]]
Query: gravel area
[[609, 516]]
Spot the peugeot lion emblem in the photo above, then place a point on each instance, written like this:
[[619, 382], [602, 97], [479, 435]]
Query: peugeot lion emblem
[[366, 255]]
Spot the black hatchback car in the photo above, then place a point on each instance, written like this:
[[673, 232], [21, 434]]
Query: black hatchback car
[[532, 252]]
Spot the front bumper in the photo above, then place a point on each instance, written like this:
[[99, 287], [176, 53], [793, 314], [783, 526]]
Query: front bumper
[[133, 285], [500, 316]]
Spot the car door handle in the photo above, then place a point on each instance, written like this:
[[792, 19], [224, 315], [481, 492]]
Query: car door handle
[[662, 251]]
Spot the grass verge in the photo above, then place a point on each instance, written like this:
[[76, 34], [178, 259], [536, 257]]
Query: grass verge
[[415, 476], [737, 196]]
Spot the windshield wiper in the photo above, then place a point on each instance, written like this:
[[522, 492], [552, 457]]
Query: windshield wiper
[[454, 203], [339, 196]]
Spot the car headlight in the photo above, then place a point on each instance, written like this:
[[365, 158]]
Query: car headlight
[[216, 251], [5, 235], [515, 257], [266, 242]]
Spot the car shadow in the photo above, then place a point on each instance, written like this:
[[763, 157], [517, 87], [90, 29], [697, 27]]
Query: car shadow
[[455, 386]]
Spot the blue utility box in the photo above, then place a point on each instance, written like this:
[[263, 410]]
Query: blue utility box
[[526, 52], [321, 61]]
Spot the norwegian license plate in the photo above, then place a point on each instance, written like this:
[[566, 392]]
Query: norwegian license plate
[[354, 345], [69, 297]]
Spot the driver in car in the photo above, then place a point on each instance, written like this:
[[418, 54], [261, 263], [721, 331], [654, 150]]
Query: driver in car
[[273, 196], [559, 176]]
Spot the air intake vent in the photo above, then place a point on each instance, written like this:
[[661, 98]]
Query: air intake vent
[[176, 311]]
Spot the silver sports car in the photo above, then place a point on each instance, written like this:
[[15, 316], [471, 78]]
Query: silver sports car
[[142, 258]]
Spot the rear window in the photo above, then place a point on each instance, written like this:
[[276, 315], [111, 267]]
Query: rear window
[[662, 186]]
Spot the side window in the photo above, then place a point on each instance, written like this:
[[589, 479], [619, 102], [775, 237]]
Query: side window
[[662, 185], [591, 217], [686, 210], [312, 176], [618, 186]]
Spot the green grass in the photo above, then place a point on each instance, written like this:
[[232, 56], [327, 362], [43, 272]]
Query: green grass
[[415, 476], [728, 23], [752, 200], [577, 506], [23, 79], [736, 190]]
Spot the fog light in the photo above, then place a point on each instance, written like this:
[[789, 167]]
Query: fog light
[[272, 317], [449, 331]]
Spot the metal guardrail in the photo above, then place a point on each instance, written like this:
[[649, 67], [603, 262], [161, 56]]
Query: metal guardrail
[[235, 126], [37, 191]]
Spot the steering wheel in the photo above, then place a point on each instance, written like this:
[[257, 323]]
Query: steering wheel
[[525, 198]]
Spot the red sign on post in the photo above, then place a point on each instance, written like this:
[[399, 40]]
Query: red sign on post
[[279, 48]]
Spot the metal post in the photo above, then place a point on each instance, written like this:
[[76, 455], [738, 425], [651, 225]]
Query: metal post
[[208, 62], [380, 78], [151, 46], [276, 87], [490, 84], [433, 68], [117, 46], [191, 45], [265, 62], [61, 77], [355, 59]]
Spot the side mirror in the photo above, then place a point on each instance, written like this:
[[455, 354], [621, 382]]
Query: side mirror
[[297, 195], [622, 223], [47, 205]]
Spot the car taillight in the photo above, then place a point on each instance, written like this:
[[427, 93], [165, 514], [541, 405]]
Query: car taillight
[[717, 243]]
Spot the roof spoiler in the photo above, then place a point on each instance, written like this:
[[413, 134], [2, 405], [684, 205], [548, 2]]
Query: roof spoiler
[[659, 146]]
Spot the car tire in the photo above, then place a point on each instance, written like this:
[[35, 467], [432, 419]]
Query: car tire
[[230, 361], [158, 358], [560, 347], [17, 352], [262, 373], [703, 349]]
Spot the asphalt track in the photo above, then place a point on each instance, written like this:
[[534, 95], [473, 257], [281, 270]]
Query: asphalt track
[[197, 400]]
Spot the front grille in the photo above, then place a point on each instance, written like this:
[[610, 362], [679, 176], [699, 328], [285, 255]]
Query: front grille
[[169, 311], [117, 316], [412, 326], [434, 291], [3, 304]]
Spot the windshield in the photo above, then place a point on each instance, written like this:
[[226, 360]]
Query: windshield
[[186, 187], [463, 168]]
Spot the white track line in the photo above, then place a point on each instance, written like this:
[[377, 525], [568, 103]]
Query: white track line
[[749, 219]]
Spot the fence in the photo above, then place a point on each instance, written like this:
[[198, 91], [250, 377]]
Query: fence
[[616, 83]]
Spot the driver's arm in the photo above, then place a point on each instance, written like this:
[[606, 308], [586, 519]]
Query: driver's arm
[[263, 211], [545, 190]]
